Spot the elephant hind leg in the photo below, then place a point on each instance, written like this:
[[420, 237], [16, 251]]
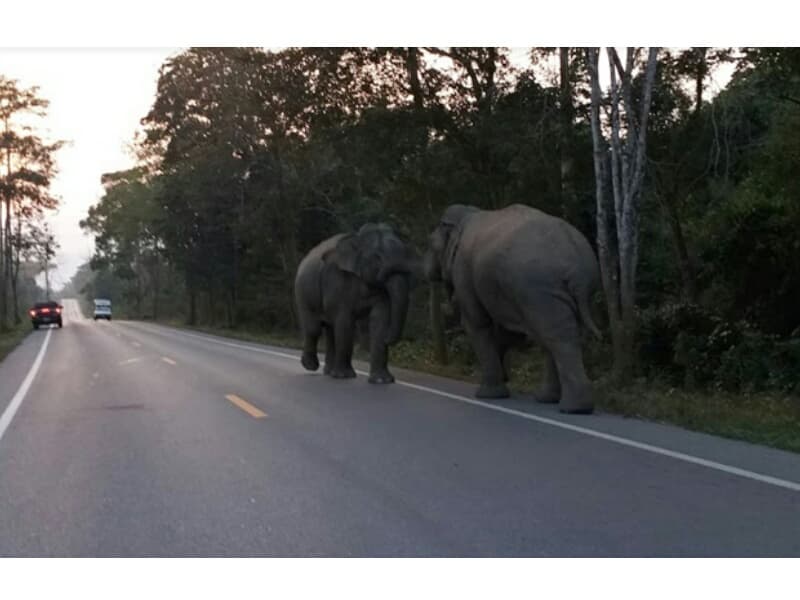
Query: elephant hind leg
[[505, 340], [555, 325], [576, 389], [550, 391], [330, 349], [484, 343]]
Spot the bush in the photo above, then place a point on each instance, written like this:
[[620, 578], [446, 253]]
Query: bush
[[760, 362], [750, 252], [677, 340], [691, 346]]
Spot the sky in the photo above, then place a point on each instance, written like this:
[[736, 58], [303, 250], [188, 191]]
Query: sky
[[97, 98]]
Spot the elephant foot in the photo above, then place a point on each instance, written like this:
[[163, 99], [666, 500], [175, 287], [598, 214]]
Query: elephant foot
[[310, 361], [382, 376], [497, 390], [579, 410], [546, 397], [342, 373], [577, 404]]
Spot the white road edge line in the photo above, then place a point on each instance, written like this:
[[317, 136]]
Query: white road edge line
[[783, 483], [11, 409]]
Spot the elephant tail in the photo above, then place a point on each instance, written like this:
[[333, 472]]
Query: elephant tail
[[585, 314]]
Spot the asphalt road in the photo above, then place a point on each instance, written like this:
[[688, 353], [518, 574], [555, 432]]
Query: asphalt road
[[132, 439]]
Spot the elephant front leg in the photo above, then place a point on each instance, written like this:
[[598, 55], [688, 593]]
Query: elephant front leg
[[492, 379], [379, 350], [343, 335], [309, 359]]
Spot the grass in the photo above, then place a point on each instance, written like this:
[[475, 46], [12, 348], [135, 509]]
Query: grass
[[767, 418], [9, 339]]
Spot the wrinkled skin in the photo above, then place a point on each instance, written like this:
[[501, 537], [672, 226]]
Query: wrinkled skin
[[519, 273], [349, 278]]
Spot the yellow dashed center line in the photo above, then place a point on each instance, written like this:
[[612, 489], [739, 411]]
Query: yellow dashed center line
[[246, 407], [169, 361], [130, 361]]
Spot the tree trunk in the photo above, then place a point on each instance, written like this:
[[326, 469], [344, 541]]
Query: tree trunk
[[688, 276], [3, 281], [437, 323], [435, 293], [229, 308], [412, 69], [4, 256], [618, 267], [700, 76], [212, 306], [15, 271], [566, 114], [6, 266], [192, 289], [137, 271], [607, 255], [156, 285]]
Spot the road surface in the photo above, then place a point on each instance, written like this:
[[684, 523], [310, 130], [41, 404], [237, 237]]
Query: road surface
[[130, 439]]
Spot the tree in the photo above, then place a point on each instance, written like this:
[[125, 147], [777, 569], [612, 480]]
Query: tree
[[39, 246], [128, 224], [412, 61], [618, 223], [28, 166]]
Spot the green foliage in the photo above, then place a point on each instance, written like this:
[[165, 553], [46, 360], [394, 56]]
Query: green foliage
[[688, 345], [676, 342], [750, 250], [760, 362]]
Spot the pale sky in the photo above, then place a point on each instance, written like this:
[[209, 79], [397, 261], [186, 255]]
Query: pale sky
[[97, 98]]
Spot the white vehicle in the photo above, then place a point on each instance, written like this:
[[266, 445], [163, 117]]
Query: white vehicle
[[102, 309]]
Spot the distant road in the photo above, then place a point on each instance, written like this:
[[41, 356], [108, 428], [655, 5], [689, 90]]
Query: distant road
[[132, 439]]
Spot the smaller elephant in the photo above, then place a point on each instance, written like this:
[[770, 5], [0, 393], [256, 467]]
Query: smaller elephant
[[518, 273], [348, 278]]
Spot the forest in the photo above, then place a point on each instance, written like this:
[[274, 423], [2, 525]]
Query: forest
[[680, 165]]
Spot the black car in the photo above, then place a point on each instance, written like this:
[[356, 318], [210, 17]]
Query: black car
[[46, 313]]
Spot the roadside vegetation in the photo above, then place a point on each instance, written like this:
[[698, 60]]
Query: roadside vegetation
[[249, 158], [11, 337]]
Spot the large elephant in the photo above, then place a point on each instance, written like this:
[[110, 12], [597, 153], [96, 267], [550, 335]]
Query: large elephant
[[515, 273], [350, 277]]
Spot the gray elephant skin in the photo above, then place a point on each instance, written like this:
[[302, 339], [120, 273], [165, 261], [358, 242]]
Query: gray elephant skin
[[519, 273], [349, 277]]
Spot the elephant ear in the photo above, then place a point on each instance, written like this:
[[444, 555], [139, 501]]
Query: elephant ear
[[451, 227], [450, 251], [453, 223], [345, 255]]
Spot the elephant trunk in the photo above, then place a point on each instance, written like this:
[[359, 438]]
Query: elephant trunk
[[430, 267], [398, 288]]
